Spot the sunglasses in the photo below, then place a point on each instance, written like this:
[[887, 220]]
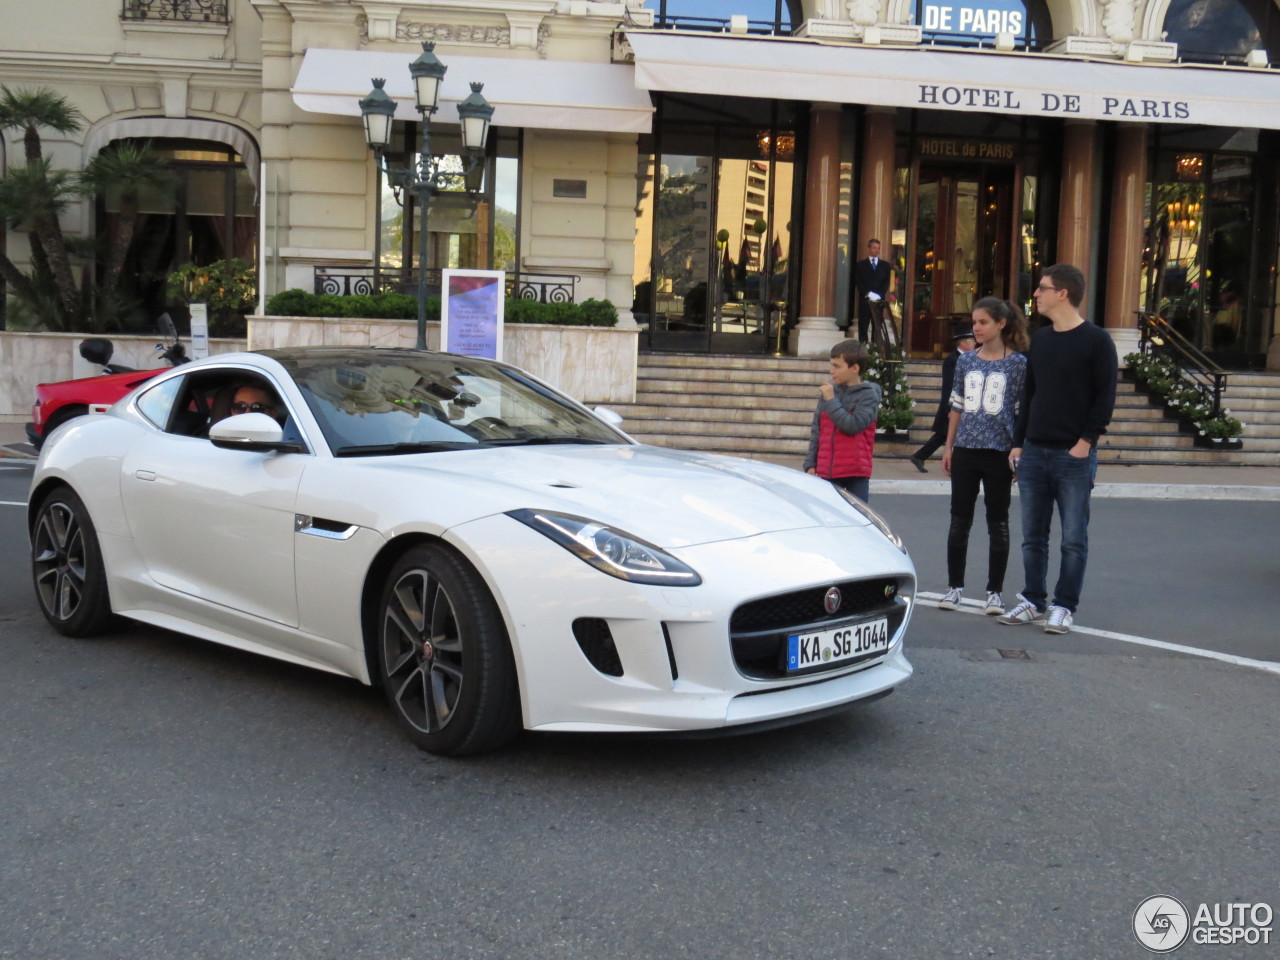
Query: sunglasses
[[241, 407]]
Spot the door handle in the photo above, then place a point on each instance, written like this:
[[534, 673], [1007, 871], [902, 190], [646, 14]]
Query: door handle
[[145, 474]]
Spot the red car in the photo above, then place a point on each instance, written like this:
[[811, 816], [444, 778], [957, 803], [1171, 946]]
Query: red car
[[56, 403]]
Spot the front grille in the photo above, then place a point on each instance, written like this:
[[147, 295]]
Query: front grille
[[803, 608], [759, 629]]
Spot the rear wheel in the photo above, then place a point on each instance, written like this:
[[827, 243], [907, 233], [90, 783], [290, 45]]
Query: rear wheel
[[444, 657], [67, 568]]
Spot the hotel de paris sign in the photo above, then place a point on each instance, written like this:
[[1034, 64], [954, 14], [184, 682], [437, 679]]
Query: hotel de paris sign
[[1009, 16]]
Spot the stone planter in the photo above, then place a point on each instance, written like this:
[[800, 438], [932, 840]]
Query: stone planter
[[1218, 443], [893, 434], [595, 364]]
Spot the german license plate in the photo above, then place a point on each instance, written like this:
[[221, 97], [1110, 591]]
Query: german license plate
[[826, 647]]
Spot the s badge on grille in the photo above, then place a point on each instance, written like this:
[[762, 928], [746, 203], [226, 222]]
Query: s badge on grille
[[831, 600]]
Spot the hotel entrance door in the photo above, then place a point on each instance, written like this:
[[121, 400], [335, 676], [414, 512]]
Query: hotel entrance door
[[964, 227]]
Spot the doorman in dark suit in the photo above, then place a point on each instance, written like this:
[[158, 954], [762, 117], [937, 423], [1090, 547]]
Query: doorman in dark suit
[[870, 276]]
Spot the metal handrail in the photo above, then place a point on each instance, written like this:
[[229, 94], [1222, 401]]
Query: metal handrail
[[1158, 335], [179, 11], [543, 287]]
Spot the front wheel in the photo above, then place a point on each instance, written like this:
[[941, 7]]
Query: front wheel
[[444, 657], [67, 568]]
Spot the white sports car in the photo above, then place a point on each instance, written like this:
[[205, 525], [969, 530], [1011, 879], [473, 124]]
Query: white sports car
[[488, 550]]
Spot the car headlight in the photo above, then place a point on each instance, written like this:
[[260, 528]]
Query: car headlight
[[880, 523], [610, 551]]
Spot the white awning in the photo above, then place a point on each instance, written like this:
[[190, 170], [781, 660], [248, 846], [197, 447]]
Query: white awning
[[978, 82], [549, 94]]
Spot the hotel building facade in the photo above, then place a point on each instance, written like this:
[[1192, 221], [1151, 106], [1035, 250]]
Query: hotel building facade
[[715, 177]]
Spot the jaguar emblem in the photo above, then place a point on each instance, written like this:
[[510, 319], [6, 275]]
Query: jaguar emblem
[[832, 599]]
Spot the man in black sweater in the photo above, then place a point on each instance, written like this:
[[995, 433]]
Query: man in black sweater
[[1070, 395]]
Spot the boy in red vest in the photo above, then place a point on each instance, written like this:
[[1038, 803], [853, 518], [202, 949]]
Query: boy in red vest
[[844, 424]]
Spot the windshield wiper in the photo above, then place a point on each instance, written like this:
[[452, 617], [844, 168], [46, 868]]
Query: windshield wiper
[[535, 441], [391, 449]]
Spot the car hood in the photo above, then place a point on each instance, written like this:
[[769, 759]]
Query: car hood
[[669, 497]]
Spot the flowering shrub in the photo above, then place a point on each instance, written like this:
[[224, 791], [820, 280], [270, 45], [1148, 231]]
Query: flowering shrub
[[1158, 373], [896, 404], [229, 287]]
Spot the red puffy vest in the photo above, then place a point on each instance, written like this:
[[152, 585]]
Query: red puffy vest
[[841, 455]]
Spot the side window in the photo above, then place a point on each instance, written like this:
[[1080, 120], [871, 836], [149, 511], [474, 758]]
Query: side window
[[156, 403]]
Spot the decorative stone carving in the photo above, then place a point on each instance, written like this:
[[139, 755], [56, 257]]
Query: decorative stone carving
[[865, 13], [480, 35], [1118, 17], [454, 33]]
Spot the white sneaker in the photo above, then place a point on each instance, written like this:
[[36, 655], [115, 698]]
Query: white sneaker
[[1058, 621], [951, 599], [995, 604], [1024, 612]]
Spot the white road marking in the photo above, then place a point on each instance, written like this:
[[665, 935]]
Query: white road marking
[[1267, 665], [13, 503]]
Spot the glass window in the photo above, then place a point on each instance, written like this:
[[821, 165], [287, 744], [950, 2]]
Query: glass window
[[211, 216], [155, 403], [371, 407], [763, 16], [464, 231], [1214, 30]]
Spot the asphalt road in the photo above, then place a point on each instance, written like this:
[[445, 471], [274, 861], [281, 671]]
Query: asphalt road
[[161, 797]]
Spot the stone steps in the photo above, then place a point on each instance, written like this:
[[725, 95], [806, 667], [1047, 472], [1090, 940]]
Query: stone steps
[[761, 407]]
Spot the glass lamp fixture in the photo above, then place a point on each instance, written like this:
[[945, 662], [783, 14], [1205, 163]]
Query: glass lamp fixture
[[427, 72], [474, 113], [378, 110]]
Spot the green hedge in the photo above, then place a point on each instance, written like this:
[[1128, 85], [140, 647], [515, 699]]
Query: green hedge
[[401, 306]]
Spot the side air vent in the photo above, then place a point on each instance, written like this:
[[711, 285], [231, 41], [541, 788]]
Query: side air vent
[[596, 641]]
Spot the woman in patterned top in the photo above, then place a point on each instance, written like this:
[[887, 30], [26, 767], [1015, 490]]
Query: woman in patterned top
[[985, 397]]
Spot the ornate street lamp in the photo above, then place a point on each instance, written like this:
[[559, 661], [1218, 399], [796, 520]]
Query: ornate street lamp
[[426, 178]]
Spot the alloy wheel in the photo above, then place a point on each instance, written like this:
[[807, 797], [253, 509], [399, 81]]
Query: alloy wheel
[[59, 561], [422, 651]]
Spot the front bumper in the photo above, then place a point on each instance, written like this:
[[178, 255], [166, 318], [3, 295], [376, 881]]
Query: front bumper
[[673, 649]]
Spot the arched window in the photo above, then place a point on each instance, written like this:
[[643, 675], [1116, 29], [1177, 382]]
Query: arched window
[[763, 16], [976, 23], [1217, 30], [212, 215]]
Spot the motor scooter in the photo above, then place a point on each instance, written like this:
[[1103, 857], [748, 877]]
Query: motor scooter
[[56, 403]]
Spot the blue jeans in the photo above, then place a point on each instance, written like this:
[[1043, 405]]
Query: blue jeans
[[860, 487], [1047, 477]]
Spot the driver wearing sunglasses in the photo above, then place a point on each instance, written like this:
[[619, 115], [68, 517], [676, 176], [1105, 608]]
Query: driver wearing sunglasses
[[253, 399]]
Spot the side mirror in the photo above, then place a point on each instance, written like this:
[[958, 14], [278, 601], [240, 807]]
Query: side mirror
[[97, 350], [252, 431]]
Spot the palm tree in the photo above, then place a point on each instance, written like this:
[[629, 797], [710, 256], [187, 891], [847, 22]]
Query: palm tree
[[129, 169], [34, 195]]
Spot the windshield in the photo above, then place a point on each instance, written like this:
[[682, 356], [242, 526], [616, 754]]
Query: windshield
[[407, 402]]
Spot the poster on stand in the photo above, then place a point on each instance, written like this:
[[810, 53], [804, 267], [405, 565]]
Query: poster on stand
[[471, 312], [199, 330]]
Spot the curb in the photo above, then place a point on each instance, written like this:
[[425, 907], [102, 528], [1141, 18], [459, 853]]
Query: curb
[[1106, 491], [18, 451]]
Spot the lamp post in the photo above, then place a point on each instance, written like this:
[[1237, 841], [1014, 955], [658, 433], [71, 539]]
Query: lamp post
[[425, 178]]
